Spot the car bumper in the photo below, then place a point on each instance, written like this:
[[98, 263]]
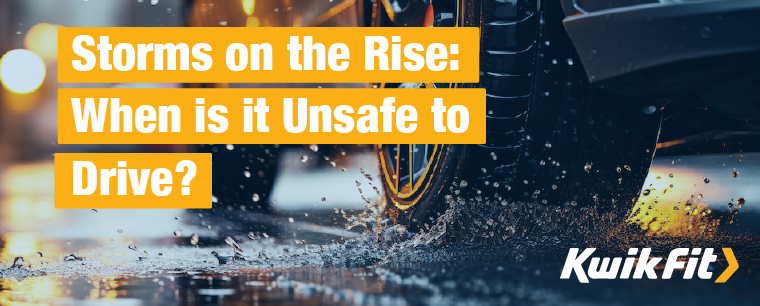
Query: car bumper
[[664, 46]]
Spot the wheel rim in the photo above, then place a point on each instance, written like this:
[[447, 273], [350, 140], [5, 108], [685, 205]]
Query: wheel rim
[[409, 169], [407, 182]]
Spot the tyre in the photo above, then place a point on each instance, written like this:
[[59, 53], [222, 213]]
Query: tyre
[[551, 137]]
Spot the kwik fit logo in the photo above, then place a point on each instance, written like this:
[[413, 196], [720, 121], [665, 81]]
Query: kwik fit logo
[[697, 262]]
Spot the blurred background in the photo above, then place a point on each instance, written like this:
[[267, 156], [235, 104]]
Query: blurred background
[[321, 180], [300, 194], [257, 188]]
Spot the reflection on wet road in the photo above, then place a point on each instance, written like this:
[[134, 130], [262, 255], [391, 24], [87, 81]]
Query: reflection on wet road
[[146, 264], [681, 189], [466, 275]]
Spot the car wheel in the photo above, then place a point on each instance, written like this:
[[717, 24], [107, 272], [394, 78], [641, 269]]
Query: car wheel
[[551, 137]]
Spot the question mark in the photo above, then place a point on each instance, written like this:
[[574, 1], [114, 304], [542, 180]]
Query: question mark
[[190, 165]]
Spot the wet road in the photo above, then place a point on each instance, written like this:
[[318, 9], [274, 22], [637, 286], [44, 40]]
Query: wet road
[[299, 266], [458, 275]]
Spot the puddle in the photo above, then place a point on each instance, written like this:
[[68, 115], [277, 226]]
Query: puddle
[[480, 252]]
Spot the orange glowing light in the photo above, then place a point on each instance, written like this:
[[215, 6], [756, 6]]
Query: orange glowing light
[[252, 22], [672, 206], [19, 244], [44, 290], [28, 196], [42, 39], [248, 6]]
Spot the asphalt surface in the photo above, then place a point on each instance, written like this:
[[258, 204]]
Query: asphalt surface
[[314, 264], [458, 275]]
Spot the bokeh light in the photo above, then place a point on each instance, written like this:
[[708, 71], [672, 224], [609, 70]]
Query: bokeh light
[[248, 6], [42, 39], [21, 71]]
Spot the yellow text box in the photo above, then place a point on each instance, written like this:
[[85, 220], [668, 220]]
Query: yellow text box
[[186, 100], [465, 53], [141, 178]]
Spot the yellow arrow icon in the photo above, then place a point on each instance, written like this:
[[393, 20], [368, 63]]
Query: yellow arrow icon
[[733, 265]]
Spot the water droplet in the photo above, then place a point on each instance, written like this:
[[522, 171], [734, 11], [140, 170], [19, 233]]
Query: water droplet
[[255, 197], [94, 211], [314, 147], [570, 61], [291, 220], [699, 196], [332, 163], [670, 175], [706, 32], [231, 242], [230, 147], [18, 262], [71, 257], [304, 158], [194, 239], [324, 199], [153, 2], [132, 247], [119, 231], [735, 173], [223, 23], [740, 201], [648, 109], [646, 192], [587, 167], [177, 233], [247, 174], [592, 55], [707, 180]]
